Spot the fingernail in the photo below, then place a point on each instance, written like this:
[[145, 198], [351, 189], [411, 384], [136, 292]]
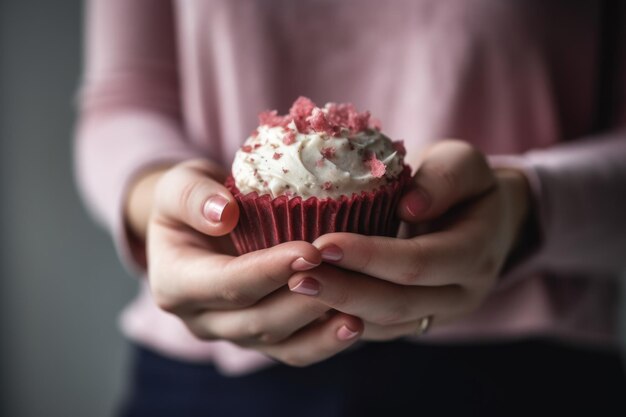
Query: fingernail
[[332, 253], [417, 202], [308, 286], [214, 207], [345, 333], [302, 264]]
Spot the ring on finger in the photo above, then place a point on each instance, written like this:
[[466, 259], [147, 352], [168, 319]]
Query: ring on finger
[[423, 325]]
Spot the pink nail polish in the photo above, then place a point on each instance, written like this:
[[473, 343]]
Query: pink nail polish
[[344, 333], [214, 207], [417, 202], [302, 264], [332, 253], [308, 286]]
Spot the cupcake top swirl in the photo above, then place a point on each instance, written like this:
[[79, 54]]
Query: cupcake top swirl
[[316, 152]]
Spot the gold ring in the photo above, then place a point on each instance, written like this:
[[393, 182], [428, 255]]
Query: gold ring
[[424, 325]]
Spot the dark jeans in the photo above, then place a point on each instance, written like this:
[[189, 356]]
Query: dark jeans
[[392, 379]]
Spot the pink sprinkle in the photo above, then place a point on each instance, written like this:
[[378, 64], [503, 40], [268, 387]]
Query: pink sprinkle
[[272, 119], [327, 186], [329, 152], [277, 155], [299, 111], [357, 122], [246, 148], [377, 168], [398, 146], [289, 138], [306, 116], [257, 145], [265, 183], [319, 123], [338, 113], [320, 163], [302, 108], [376, 124]]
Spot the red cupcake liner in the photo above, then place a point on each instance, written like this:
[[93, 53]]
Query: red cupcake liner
[[265, 222]]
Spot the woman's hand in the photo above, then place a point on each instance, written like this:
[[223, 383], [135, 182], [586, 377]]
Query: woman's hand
[[195, 274], [392, 284]]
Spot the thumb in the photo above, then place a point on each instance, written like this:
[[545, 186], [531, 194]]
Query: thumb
[[191, 193], [450, 172]]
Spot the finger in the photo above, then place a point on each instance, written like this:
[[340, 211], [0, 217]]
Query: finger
[[375, 300], [450, 172], [440, 258], [188, 278], [270, 321], [191, 194], [376, 332], [317, 341]]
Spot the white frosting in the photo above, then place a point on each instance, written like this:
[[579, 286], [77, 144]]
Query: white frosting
[[267, 165]]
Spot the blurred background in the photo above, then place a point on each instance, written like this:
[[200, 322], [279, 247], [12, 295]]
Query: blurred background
[[61, 286]]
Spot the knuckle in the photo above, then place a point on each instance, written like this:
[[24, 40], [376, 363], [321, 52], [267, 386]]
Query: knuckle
[[256, 329], [317, 308], [341, 298], [366, 256], [416, 265], [448, 178], [268, 338], [186, 194], [294, 359], [236, 297], [164, 300], [201, 332], [392, 315], [252, 328]]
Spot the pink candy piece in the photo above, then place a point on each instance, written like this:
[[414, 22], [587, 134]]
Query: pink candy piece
[[345, 116], [277, 155], [301, 109], [328, 153], [377, 168], [376, 124], [318, 122], [272, 119], [307, 117], [289, 138]]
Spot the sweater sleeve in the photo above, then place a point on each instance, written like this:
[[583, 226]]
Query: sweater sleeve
[[129, 109], [579, 187], [579, 201]]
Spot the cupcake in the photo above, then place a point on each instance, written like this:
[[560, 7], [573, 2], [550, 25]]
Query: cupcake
[[316, 171]]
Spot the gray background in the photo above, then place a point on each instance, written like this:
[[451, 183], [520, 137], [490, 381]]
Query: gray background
[[61, 286]]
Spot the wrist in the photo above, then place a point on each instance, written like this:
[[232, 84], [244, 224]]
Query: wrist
[[517, 199], [524, 229]]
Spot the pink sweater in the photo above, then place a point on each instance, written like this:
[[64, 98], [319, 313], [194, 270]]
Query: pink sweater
[[533, 84]]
